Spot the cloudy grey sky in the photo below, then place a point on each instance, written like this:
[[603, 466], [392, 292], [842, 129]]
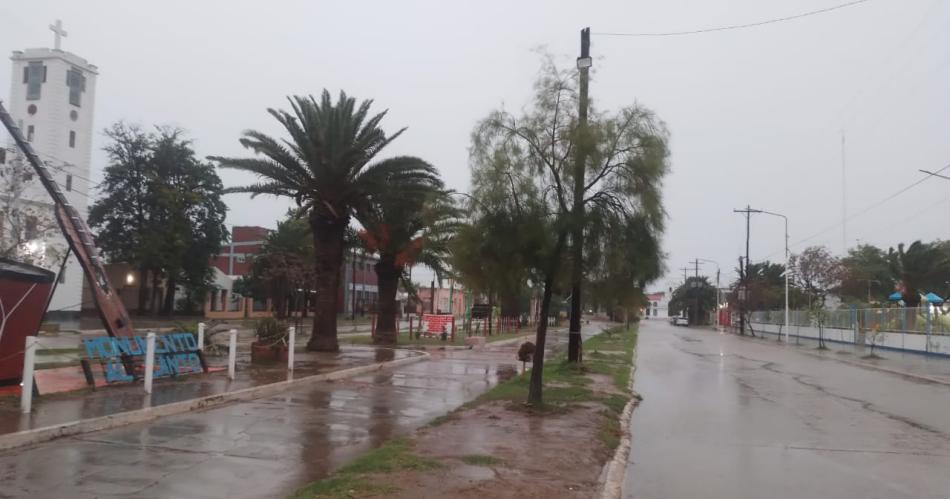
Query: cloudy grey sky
[[756, 115]]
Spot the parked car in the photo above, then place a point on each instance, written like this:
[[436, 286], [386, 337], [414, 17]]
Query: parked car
[[681, 321]]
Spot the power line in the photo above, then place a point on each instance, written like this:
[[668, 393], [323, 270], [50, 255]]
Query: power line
[[737, 26], [864, 211]]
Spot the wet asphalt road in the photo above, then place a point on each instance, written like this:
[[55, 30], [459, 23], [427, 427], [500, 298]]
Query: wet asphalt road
[[264, 448], [727, 417]]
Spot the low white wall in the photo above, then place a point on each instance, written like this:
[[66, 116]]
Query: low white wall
[[830, 334], [914, 342]]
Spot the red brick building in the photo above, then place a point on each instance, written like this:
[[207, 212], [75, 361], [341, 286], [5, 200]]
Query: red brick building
[[358, 284], [236, 257]]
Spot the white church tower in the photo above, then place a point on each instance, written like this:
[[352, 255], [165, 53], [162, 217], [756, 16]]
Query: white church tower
[[52, 96]]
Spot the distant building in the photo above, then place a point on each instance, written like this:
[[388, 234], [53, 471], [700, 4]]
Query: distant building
[[236, 257], [52, 97], [358, 284], [449, 299], [657, 306]]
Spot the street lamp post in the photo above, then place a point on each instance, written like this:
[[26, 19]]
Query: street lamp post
[[786, 266]]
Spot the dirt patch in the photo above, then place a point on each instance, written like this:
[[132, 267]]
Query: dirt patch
[[529, 452]]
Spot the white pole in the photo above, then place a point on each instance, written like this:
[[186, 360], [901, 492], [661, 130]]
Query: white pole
[[291, 334], [26, 387], [786, 280], [149, 361], [232, 352], [201, 336]]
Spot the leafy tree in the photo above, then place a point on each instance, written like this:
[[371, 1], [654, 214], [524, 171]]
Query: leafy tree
[[696, 296], [325, 167], [524, 164], [25, 225], [161, 211], [282, 267], [627, 155], [406, 224], [123, 216], [623, 256], [490, 254], [866, 275], [818, 273]]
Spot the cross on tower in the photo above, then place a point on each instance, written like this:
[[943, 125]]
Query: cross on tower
[[59, 33]]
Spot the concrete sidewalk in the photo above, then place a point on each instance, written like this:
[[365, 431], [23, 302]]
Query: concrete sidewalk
[[61, 408], [266, 447], [925, 365]]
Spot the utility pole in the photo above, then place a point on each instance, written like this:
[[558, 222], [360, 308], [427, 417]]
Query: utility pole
[[748, 211], [584, 63], [695, 262], [685, 274]]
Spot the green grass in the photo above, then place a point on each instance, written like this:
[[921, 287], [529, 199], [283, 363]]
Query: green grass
[[354, 478], [481, 460], [609, 432], [567, 383], [616, 366]]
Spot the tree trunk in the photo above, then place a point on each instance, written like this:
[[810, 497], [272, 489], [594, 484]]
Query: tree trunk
[[328, 234], [388, 281], [169, 303], [143, 290], [156, 296], [536, 385], [491, 311]]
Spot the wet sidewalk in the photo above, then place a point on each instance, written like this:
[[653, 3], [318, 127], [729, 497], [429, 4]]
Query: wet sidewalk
[[921, 364], [60, 408], [267, 447], [262, 448]]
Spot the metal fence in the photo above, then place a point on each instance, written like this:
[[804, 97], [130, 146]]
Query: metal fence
[[921, 320]]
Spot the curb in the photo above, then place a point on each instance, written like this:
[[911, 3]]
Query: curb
[[615, 471], [47, 433], [866, 365], [873, 367]]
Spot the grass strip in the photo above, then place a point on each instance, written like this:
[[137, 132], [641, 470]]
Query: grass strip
[[354, 478]]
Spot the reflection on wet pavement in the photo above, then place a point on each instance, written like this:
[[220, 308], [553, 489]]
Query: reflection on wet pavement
[[725, 417], [263, 448]]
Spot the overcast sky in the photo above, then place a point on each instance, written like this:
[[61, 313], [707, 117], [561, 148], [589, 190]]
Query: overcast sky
[[756, 115]]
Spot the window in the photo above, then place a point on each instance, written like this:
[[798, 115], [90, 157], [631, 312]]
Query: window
[[72, 138], [62, 276], [77, 85], [34, 75], [29, 133], [3, 155], [69, 182]]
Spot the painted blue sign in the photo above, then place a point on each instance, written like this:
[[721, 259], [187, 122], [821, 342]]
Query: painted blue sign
[[175, 353]]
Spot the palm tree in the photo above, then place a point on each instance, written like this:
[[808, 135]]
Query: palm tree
[[325, 167], [919, 268], [407, 224]]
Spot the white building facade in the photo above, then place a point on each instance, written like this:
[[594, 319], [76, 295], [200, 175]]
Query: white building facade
[[52, 97]]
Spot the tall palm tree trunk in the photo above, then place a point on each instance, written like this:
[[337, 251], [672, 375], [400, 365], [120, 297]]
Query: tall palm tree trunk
[[328, 234], [388, 281]]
